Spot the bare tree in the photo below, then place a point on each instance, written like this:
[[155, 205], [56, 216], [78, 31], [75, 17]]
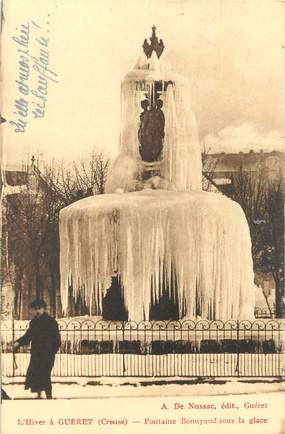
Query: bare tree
[[29, 218], [91, 176], [273, 255], [262, 200], [84, 178], [32, 216], [209, 165]]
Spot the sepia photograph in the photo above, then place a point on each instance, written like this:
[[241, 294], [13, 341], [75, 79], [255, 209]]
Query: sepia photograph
[[142, 206]]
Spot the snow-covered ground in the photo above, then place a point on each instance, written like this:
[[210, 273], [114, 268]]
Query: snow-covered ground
[[85, 387]]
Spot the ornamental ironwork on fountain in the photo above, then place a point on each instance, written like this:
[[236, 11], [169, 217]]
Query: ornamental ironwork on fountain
[[154, 45]]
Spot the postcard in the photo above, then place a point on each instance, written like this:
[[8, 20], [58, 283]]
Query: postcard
[[142, 217]]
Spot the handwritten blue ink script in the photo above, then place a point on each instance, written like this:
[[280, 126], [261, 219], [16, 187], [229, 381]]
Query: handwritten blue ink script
[[34, 74]]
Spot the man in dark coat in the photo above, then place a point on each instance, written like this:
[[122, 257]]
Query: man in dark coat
[[4, 394], [43, 333]]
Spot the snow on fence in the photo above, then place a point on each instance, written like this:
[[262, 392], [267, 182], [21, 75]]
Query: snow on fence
[[202, 348]]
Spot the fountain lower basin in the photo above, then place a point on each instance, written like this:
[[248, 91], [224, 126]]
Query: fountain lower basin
[[197, 241]]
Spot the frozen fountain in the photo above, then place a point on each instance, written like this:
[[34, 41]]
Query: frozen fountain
[[155, 229]]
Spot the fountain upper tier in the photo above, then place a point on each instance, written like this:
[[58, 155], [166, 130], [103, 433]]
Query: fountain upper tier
[[153, 69], [151, 65], [180, 159]]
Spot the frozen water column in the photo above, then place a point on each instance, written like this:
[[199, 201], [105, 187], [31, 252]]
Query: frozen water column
[[157, 239], [198, 239], [180, 161]]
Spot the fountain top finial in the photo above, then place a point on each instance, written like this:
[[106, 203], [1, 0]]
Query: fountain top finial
[[155, 45]]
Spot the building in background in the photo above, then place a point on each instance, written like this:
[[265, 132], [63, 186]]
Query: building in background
[[224, 166]]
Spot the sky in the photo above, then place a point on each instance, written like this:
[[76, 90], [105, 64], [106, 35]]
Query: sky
[[231, 51]]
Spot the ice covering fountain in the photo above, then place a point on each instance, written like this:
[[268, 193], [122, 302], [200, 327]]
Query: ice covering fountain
[[155, 228]]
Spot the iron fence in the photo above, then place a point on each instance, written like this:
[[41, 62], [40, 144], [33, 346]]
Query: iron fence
[[94, 348], [265, 312]]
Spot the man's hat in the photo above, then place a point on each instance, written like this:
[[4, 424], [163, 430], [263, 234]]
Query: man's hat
[[38, 303], [145, 103]]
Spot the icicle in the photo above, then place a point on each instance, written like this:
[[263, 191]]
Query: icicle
[[182, 155], [181, 159], [199, 240]]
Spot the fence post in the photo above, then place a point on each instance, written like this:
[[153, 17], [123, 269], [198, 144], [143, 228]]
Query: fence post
[[237, 365], [124, 362], [13, 341]]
